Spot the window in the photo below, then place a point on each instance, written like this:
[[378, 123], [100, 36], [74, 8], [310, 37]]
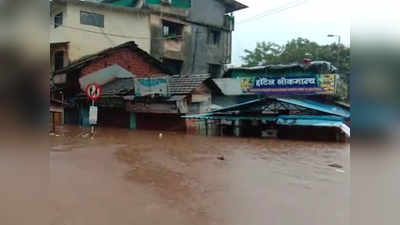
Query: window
[[173, 30], [214, 36], [58, 60], [92, 19], [58, 20], [175, 66], [214, 70]]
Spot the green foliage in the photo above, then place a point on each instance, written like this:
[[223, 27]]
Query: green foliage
[[295, 51]]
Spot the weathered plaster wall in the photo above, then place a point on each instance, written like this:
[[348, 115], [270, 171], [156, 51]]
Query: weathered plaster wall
[[146, 31], [208, 11], [208, 53], [193, 48], [85, 39], [178, 49]]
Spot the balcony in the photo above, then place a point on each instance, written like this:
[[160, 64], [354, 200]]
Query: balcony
[[229, 22]]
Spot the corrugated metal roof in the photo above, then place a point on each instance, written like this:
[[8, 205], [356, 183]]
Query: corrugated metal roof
[[285, 120], [119, 86], [104, 76], [315, 123], [312, 117], [182, 85], [115, 88], [305, 103], [318, 106]]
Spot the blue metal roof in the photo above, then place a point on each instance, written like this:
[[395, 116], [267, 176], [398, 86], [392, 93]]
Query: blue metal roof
[[312, 117], [285, 120], [318, 106], [315, 123], [240, 106], [305, 103]]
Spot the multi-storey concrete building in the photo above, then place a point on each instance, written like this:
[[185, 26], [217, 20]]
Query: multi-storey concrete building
[[189, 36]]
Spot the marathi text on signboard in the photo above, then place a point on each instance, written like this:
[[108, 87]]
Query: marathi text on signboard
[[151, 86], [312, 84]]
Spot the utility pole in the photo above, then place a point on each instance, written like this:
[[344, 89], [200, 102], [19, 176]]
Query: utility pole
[[338, 46]]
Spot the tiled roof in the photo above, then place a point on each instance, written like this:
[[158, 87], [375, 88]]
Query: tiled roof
[[182, 85]]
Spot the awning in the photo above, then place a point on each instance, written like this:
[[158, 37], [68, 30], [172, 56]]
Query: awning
[[285, 120], [318, 106], [315, 123], [231, 118]]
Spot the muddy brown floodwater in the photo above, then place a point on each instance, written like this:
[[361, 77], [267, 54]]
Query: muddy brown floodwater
[[126, 177]]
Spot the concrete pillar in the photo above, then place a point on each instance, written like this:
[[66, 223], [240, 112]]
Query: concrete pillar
[[132, 124], [236, 128]]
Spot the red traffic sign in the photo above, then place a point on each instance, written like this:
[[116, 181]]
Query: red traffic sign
[[93, 91]]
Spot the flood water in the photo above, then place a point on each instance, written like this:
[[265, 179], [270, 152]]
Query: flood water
[[127, 177]]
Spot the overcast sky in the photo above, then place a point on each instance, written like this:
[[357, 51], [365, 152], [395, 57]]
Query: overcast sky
[[288, 19]]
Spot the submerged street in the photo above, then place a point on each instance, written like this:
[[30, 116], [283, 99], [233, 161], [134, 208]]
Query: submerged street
[[127, 177]]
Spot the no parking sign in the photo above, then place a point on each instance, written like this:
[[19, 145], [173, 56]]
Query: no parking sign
[[93, 91]]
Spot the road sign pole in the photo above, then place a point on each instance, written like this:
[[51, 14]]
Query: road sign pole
[[92, 127], [93, 92]]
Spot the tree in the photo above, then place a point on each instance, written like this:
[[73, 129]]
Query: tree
[[263, 54], [295, 51]]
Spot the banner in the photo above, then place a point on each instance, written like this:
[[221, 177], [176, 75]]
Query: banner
[[150, 86], [283, 85]]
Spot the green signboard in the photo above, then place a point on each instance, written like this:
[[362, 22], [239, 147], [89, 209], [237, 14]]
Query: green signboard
[[174, 3]]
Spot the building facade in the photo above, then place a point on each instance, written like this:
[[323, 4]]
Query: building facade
[[138, 92], [80, 28], [176, 32]]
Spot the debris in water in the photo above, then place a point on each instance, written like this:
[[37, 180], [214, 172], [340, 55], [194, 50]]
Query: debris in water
[[335, 165], [221, 157], [160, 135], [339, 170]]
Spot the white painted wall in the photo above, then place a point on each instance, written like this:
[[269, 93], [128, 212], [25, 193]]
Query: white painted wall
[[85, 39]]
